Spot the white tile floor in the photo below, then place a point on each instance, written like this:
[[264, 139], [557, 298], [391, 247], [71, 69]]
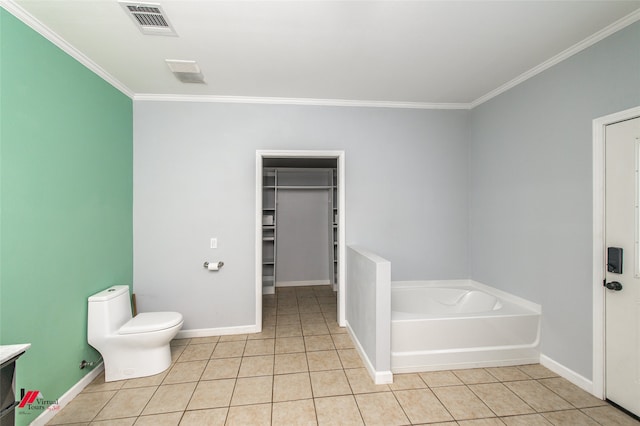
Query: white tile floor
[[303, 370]]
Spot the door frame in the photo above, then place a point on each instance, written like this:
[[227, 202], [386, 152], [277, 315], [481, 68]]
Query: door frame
[[599, 360], [339, 157]]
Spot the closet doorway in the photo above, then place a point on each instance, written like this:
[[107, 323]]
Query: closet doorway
[[300, 223]]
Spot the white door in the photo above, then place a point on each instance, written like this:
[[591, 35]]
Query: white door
[[622, 308]]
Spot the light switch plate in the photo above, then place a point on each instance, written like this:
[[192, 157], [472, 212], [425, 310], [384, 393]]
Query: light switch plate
[[214, 243]]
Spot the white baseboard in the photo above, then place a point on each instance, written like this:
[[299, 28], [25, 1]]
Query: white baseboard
[[575, 378], [68, 396], [302, 283], [268, 289], [378, 377], [383, 377], [47, 415], [220, 331]]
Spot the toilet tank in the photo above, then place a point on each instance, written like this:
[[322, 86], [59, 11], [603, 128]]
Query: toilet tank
[[108, 311]]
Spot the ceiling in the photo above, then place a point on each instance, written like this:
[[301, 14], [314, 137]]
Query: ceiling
[[411, 53]]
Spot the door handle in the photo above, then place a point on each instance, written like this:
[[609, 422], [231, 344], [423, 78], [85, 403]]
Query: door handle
[[614, 285]]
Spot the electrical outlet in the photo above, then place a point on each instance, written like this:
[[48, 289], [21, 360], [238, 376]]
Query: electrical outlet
[[214, 243]]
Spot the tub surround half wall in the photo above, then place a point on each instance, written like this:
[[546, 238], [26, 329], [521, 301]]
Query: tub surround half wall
[[66, 198], [369, 310]]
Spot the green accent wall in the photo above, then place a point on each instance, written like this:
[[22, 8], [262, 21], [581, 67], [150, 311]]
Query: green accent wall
[[66, 143]]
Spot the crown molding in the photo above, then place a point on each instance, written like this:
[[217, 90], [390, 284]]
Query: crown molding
[[12, 7], [297, 101], [58, 41], [29, 20], [576, 48]]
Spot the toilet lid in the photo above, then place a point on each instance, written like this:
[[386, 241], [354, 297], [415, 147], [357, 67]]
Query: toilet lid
[[151, 321]]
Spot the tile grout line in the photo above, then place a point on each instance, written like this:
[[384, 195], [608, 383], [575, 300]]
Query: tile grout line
[[439, 400], [401, 406], [499, 381], [273, 381], [292, 295], [197, 383], [432, 392], [569, 402]]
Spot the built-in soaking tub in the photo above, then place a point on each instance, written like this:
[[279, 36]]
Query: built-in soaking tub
[[460, 324]]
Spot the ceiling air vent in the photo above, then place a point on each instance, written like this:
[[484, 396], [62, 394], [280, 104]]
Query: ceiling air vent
[[186, 71], [149, 18]]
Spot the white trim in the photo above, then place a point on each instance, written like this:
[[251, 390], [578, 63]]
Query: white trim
[[599, 125], [296, 101], [378, 377], [220, 331], [636, 191], [258, 243], [576, 48], [429, 283], [383, 377], [575, 378], [16, 10], [302, 283], [342, 242], [567, 53], [68, 396], [342, 259], [12, 7], [268, 290], [511, 357]]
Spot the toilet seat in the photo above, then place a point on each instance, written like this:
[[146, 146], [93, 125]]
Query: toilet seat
[[151, 321]]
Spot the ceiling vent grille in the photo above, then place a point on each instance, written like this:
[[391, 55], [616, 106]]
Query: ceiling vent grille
[[149, 18], [186, 71]]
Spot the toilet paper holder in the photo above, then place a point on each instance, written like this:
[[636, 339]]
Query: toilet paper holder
[[213, 266]]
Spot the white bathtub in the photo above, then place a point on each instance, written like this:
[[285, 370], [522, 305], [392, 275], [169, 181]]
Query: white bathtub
[[460, 324]]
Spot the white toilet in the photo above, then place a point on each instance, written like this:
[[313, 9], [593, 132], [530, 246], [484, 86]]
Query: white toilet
[[130, 347]]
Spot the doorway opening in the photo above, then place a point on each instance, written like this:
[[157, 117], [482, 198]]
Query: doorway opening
[[599, 383], [290, 183]]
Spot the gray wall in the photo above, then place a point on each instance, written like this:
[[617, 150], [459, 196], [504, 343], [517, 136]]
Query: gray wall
[[303, 235], [194, 178], [530, 174], [508, 182]]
